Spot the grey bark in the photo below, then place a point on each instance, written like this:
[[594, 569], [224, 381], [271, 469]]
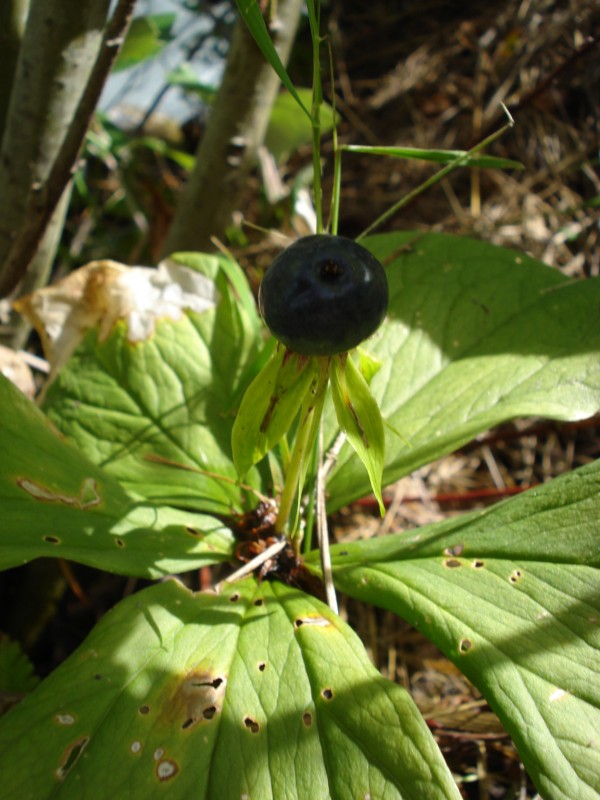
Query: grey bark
[[66, 54], [236, 129]]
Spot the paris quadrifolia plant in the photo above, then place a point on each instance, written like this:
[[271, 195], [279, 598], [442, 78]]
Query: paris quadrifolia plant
[[185, 425]]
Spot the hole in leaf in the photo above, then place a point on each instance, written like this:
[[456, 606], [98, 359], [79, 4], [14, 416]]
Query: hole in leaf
[[516, 575], [166, 769], [234, 598], [217, 682], [192, 531], [209, 712], [261, 666], [136, 746], [455, 550], [307, 718], [144, 709], [158, 753], [327, 694], [251, 724], [452, 563], [119, 542], [343, 553], [52, 539], [188, 723], [316, 620], [97, 677], [478, 564], [465, 645], [258, 602], [71, 756]]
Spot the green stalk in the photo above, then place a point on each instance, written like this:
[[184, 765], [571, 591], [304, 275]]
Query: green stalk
[[459, 161], [306, 436], [337, 160], [314, 18]]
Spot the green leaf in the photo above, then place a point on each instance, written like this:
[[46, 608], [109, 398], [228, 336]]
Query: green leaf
[[269, 406], [289, 128], [56, 503], [260, 691], [512, 596], [16, 670], [436, 156], [145, 39], [250, 13], [185, 77], [359, 417], [475, 335], [172, 396]]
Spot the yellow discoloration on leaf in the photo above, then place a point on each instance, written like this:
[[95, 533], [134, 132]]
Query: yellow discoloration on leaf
[[88, 495]]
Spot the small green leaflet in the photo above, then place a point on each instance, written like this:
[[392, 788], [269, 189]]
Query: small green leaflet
[[359, 417], [436, 156], [255, 23]]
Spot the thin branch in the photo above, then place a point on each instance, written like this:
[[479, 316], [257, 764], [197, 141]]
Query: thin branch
[[44, 197], [323, 532], [256, 562]]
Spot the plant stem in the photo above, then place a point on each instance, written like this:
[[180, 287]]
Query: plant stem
[[337, 161], [314, 17], [436, 178], [306, 435]]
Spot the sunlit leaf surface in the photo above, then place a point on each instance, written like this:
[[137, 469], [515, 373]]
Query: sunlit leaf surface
[[512, 596], [260, 692]]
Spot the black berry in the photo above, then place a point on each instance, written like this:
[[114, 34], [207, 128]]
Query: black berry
[[323, 295]]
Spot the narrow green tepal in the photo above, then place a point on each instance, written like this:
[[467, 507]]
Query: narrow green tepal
[[269, 406], [259, 692], [359, 417]]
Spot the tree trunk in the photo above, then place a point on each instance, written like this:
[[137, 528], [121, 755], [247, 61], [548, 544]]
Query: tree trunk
[[236, 129], [65, 56], [13, 14]]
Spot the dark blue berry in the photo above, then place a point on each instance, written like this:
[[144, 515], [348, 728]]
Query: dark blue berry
[[323, 295]]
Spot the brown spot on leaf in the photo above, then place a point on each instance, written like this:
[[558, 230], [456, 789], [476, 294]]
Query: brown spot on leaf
[[234, 598], [144, 709], [52, 540], [261, 666], [312, 619], [464, 646], [166, 769], [307, 718], [196, 697], [455, 550], [251, 724], [88, 494], [452, 563], [327, 694], [478, 564], [65, 719], [71, 756]]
